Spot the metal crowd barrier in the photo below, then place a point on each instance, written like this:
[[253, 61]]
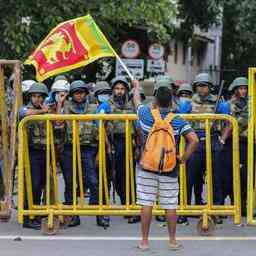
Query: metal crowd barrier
[[56, 212], [8, 134], [251, 178]]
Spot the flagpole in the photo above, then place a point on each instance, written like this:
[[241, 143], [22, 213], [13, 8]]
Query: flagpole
[[124, 66]]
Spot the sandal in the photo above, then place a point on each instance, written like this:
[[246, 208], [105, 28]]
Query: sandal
[[175, 247], [143, 248]]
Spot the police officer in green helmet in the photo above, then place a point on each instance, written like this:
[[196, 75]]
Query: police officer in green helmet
[[239, 109], [204, 102], [88, 131], [185, 91], [120, 104], [37, 146]]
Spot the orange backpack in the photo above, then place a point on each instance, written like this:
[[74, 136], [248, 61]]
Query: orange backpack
[[159, 154]]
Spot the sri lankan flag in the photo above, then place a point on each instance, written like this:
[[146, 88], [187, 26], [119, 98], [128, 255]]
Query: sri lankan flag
[[70, 45]]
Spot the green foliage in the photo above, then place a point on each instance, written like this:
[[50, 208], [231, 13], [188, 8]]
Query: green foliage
[[24, 23], [239, 36], [202, 13]]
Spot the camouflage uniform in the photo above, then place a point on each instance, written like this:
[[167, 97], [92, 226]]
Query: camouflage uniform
[[36, 131], [88, 135], [239, 109], [118, 135], [196, 165]]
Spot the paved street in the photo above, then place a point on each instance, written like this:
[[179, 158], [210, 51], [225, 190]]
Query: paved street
[[121, 239]]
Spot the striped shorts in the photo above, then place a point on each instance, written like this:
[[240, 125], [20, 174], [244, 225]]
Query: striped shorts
[[152, 187]]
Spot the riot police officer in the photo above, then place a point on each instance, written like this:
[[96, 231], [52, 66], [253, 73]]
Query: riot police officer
[[204, 102], [185, 92], [239, 109], [120, 104], [37, 146], [78, 104]]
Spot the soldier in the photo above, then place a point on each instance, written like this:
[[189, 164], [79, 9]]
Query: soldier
[[58, 95], [120, 104], [239, 109], [78, 104], [185, 92], [55, 101], [102, 94], [37, 146], [204, 102]]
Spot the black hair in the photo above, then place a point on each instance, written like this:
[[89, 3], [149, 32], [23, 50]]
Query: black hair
[[164, 97]]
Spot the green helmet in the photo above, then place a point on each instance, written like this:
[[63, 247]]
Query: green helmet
[[185, 87], [60, 77], [102, 87], [38, 88], [203, 79], [142, 93], [167, 79], [230, 88], [239, 81], [78, 85], [159, 84], [120, 79]]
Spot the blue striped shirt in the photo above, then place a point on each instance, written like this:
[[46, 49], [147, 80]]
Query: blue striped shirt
[[146, 121]]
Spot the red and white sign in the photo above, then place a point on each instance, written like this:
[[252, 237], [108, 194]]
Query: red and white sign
[[130, 49], [156, 51]]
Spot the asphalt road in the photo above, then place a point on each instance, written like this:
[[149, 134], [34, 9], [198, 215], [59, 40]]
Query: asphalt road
[[121, 239]]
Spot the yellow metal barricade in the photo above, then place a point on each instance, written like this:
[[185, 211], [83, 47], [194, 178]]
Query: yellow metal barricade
[[251, 178], [8, 123], [54, 208]]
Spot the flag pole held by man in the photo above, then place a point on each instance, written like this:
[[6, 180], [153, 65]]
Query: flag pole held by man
[[157, 173]]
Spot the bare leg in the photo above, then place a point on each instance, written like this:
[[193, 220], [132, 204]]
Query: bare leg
[[171, 221], [146, 216]]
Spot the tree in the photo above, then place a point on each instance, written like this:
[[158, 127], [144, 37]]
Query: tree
[[201, 13], [25, 23], [239, 37]]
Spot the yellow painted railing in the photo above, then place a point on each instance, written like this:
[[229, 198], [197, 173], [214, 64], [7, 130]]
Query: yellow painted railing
[[53, 206]]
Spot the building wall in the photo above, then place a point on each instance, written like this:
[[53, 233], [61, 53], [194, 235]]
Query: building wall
[[206, 57]]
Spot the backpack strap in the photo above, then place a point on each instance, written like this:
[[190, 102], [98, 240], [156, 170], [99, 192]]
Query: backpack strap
[[169, 117], [156, 114]]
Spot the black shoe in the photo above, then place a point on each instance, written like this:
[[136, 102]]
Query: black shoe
[[133, 219], [183, 220], [160, 218], [32, 224], [217, 220], [102, 221], [75, 221]]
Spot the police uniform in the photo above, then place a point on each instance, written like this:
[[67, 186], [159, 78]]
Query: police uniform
[[36, 131], [196, 165], [89, 147], [239, 109], [118, 130]]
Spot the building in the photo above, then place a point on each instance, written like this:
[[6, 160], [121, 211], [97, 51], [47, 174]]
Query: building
[[202, 55]]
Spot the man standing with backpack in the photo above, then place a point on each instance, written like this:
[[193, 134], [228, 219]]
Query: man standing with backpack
[[157, 173]]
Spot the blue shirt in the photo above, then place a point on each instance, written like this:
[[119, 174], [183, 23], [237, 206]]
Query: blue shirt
[[103, 108], [146, 121], [22, 111]]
